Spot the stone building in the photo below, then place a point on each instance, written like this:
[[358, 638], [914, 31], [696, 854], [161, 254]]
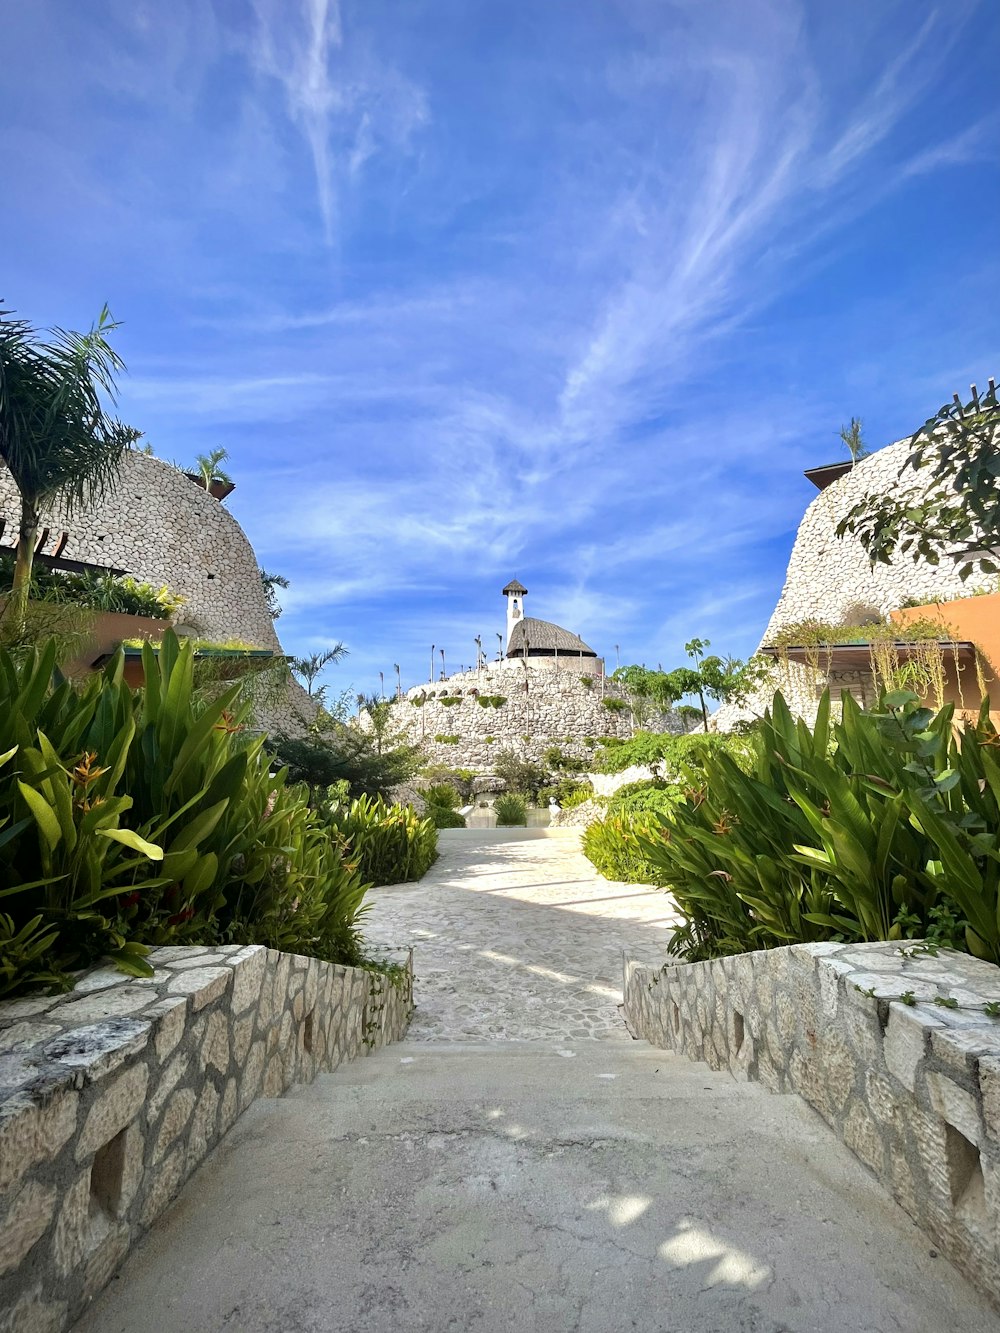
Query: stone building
[[830, 579], [541, 643], [163, 528], [547, 689]]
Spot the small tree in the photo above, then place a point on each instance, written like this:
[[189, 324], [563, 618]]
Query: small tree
[[852, 440], [310, 668], [57, 440], [209, 469], [953, 510]]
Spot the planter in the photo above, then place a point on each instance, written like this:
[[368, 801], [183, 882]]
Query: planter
[[217, 489], [231, 662], [92, 636]]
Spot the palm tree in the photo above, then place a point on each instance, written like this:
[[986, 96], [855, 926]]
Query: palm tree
[[209, 469], [311, 667], [853, 441], [269, 582], [57, 440]]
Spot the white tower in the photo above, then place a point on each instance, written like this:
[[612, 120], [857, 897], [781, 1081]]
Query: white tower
[[515, 593]]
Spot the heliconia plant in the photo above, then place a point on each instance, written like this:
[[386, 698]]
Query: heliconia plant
[[881, 824], [131, 818]]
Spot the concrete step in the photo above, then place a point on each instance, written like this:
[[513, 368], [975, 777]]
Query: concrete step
[[531, 1186]]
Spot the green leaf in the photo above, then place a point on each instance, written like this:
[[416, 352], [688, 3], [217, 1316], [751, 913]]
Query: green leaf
[[128, 838], [44, 816]]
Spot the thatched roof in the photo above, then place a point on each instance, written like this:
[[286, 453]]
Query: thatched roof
[[543, 639]]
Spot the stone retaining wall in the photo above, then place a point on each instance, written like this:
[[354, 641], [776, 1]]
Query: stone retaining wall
[[912, 1088], [112, 1094]]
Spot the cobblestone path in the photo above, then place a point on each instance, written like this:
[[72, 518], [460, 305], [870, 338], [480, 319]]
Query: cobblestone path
[[518, 939]]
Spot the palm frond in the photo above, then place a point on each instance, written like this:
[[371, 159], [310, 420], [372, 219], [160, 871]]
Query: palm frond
[[56, 437]]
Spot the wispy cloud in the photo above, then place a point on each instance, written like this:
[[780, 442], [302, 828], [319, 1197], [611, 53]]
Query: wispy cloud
[[345, 104]]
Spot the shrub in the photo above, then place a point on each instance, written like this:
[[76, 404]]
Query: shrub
[[886, 825], [130, 819], [662, 749], [491, 700], [561, 762], [642, 797], [344, 753], [587, 682], [613, 845], [520, 775], [390, 843], [450, 700], [510, 810], [447, 740], [442, 794], [614, 705], [97, 592], [460, 779], [567, 791], [443, 818]]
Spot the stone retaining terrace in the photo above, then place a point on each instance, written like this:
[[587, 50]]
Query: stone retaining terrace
[[912, 1085], [112, 1094]]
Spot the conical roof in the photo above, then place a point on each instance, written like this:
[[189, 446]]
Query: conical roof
[[514, 586], [545, 638]]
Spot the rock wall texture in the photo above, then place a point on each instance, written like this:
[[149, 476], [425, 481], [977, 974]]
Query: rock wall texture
[[160, 527], [829, 577], [912, 1088], [541, 707], [112, 1094]]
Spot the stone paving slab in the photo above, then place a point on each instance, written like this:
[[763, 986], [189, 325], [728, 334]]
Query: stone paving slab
[[589, 1188], [517, 937]]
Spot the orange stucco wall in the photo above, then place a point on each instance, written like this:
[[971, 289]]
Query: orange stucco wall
[[976, 619]]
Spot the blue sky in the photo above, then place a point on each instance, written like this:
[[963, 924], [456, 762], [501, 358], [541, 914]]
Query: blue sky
[[568, 291]]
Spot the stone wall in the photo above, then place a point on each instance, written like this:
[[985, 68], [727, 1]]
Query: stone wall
[[111, 1095], [912, 1088], [541, 708], [828, 577]]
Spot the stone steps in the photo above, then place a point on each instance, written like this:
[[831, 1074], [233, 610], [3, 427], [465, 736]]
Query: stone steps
[[589, 1187]]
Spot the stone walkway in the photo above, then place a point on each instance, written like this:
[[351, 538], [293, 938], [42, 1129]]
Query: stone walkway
[[518, 939], [518, 1163]]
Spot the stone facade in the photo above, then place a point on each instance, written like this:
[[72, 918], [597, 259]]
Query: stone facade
[[912, 1087], [829, 577], [541, 707], [111, 1095], [158, 526]]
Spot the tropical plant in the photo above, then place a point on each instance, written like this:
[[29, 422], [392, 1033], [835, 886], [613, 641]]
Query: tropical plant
[[851, 439], [208, 467], [59, 443], [950, 511], [510, 810], [521, 776], [390, 843], [870, 828], [95, 591], [136, 818], [663, 751], [614, 846], [722, 679], [566, 792], [270, 583], [441, 794], [310, 668]]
